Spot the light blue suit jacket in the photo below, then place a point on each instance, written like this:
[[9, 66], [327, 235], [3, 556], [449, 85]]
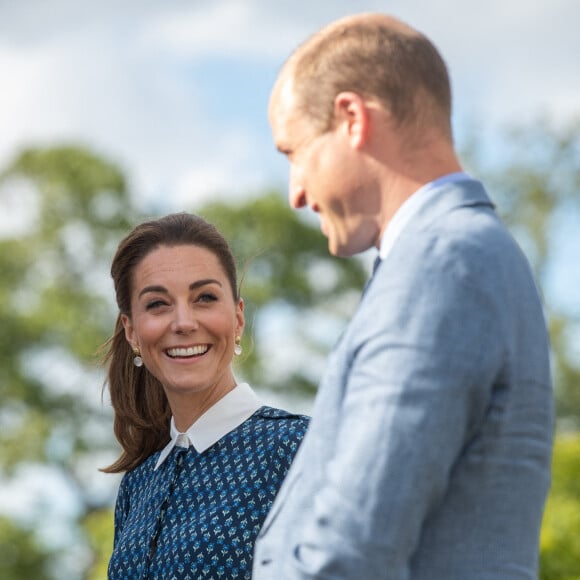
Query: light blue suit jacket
[[428, 455]]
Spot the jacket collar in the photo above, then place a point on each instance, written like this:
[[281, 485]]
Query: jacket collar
[[431, 201]]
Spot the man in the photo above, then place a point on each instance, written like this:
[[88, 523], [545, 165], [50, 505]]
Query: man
[[428, 455]]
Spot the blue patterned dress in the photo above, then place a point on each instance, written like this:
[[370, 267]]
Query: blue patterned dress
[[198, 515]]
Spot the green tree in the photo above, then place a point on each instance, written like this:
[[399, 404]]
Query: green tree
[[20, 555], [534, 177], [70, 207], [98, 528], [560, 540]]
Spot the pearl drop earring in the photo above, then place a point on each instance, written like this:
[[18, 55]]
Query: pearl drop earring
[[137, 361]]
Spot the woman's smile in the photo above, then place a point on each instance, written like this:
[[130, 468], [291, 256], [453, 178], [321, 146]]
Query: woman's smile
[[187, 352]]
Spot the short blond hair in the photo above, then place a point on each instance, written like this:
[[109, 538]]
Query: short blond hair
[[376, 57]]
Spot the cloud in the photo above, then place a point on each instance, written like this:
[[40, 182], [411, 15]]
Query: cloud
[[254, 29], [509, 61], [229, 29], [177, 91]]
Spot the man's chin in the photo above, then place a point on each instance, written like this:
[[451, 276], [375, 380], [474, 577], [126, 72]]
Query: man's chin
[[340, 248], [345, 250], [338, 251]]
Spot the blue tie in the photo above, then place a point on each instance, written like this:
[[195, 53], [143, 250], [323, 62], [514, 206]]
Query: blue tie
[[375, 266]]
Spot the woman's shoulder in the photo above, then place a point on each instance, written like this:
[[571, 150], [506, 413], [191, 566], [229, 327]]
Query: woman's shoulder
[[141, 473], [280, 423], [275, 435], [273, 414]]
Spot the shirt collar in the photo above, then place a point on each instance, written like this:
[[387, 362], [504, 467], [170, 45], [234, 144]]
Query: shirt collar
[[411, 207], [225, 415]]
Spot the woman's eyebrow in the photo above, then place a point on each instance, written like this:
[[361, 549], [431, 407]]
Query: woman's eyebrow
[[160, 289], [192, 286], [199, 283]]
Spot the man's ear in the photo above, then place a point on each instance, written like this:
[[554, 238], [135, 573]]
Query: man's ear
[[352, 115]]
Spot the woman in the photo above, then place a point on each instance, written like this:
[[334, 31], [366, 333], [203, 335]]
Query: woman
[[203, 457]]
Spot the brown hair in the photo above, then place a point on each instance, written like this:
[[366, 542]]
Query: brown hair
[[376, 57], [142, 413]]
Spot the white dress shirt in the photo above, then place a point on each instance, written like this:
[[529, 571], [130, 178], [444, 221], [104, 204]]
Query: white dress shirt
[[410, 207]]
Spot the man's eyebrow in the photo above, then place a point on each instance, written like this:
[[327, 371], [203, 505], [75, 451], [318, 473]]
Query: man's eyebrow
[[192, 286]]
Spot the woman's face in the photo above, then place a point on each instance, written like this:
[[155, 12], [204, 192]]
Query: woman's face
[[184, 320]]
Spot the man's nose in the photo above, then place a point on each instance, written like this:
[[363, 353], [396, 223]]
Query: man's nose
[[298, 198], [296, 192]]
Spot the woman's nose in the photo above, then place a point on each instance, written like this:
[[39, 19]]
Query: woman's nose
[[185, 319]]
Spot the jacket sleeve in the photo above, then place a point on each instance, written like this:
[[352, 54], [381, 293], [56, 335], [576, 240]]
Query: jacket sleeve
[[423, 352]]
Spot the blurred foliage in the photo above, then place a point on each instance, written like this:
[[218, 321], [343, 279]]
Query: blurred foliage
[[20, 555], [52, 308], [534, 178], [98, 528], [57, 308], [560, 539], [71, 208]]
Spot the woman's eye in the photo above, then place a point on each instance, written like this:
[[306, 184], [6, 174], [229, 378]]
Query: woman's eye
[[207, 297], [155, 304]]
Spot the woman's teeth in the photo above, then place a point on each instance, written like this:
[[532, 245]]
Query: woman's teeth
[[186, 352]]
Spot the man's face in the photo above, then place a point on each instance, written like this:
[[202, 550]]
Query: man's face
[[327, 174]]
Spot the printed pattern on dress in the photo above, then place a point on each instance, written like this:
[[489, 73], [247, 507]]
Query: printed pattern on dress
[[198, 515]]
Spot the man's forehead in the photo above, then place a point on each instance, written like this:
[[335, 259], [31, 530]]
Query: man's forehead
[[282, 100], [283, 109]]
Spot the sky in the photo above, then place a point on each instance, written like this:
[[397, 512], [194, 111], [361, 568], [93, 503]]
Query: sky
[[176, 91]]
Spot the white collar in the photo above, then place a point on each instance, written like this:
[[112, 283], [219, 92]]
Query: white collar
[[411, 207], [224, 416]]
